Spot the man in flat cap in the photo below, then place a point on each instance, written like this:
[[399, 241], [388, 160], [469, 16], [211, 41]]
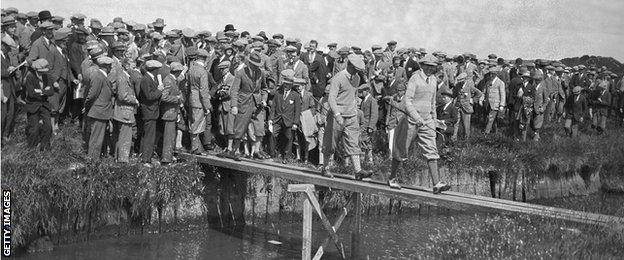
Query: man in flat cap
[[149, 97], [99, 106], [37, 89], [495, 97], [419, 122], [575, 110], [316, 69], [377, 71], [29, 28], [342, 122], [61, 76], [341, 62], [284, 118], [199, 102], [10, 92], [294, 63], [96, 27], [390, 51], [368, 123], [466, 94]]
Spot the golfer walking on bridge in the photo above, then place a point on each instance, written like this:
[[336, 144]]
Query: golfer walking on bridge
[[419, 122]]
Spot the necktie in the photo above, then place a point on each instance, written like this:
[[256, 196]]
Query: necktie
[[285, 95]]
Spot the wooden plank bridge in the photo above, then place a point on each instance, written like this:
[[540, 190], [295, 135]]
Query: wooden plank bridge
[[455, 200]]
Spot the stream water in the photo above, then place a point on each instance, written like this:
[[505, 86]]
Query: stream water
[[383, 236]]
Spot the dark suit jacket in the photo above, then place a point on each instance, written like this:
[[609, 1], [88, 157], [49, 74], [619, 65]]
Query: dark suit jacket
[[574, 108], [59, 66], [8, 87], [370, 111], [76, 55], [36, 100], [246, 92], [317, 72], [286, 110], [450, 115], [149, 98], [99, 100]]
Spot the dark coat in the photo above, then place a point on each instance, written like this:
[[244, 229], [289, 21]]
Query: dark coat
[[99, 100], [370, 111], [247, 92], [171, 99], [149, 98], [286, 110], [317, 71], [576, 108], [34, 100]]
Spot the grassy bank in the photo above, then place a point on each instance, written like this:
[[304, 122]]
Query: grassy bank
[[60, 191]]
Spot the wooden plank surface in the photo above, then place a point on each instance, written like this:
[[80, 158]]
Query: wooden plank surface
[[453, 200]]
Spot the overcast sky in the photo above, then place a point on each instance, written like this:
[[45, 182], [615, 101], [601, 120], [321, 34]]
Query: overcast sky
[[551, 29]]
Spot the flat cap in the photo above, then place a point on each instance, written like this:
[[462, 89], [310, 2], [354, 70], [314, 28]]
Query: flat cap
[[576, 90], [57, 19], [423, 51], [32, 14], [240, 43], [257, 45], [300, 82], [21, 16], [189, 33], [290, 40], [105, 60], [211, 39], [131, 23], [96, 52], [153, 64], [429, 60], [333, 44], [287, 75], [356, 48], [81, 30], [559, 69], [378, 51], [461, 77], [344, 50], [204, 33], [40, 65], [376, 47], [363, 87], [176, 66], [202, 53], [157, 36], [78, 16], [96, 24], [393, 42], [11, 10], [171, 34], [278, 36], [257, 38], [139, 27], [273, 43], [550, 67], [8, 20], [47, 25], [357, 61], [119, 46], [108, 30], [61, 34], [290, 48], [224, 64]]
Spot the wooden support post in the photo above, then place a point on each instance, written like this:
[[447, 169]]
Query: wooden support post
[[306, 249], [320, 251], [355, 234]]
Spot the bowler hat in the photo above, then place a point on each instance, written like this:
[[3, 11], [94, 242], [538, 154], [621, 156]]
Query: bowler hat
[[229, 27], [44, 15]]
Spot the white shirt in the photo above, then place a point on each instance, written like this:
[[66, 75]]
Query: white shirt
[[150, 74]]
